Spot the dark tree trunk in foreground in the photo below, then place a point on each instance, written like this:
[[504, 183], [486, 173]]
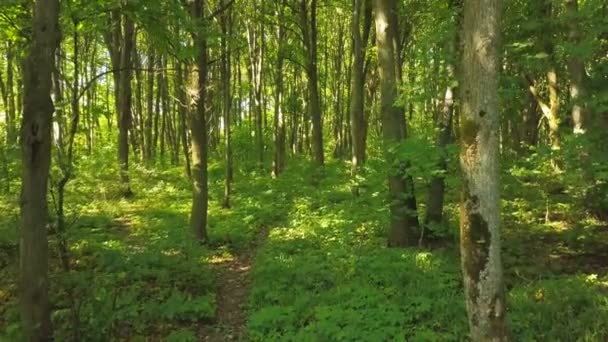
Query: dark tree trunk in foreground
[[404, 219], [479, 159], [198, 130], [36, 158]]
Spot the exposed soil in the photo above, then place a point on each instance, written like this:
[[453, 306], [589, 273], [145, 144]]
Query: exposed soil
[[234, 276]]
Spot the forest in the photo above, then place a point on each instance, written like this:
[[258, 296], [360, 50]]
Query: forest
[[304, 170]]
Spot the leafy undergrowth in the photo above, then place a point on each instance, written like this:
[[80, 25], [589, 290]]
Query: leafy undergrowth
[[326, 274], [136, 272]]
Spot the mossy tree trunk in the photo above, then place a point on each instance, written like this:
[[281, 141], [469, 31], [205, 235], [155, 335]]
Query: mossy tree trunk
[[479, 159], [36, 158]]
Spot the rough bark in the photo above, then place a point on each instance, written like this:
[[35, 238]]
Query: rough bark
[[404, 219], [198, 130], [479, 159], [36, 158]]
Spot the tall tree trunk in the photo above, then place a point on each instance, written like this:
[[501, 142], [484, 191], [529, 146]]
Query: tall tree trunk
[[149, 104], [309, 33], [404, 219], [576, 66], [226, 24], [279, 117], [36, 158], [182, 111], [124, 122], [198, 129], [357, 97], [434, 212], [10, 86], [479, 159]]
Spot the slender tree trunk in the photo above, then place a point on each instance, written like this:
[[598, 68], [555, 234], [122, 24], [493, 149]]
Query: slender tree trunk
[[576, 66], [434, 212], [10, 113], [279, 117], [36, 159], [479, 159], [309, 33], [404, 219], [198, 129], [226, 23], [182, 111], [125, 120], [357, 97], [149, 105]]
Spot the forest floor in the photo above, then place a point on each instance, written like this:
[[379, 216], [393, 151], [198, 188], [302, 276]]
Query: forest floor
[[300, 258], [234, 284]]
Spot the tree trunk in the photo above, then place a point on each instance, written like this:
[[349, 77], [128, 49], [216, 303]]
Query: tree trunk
[[404, 219], [36, 158], [124, 122], [198, 130], [309, 33], [479, 159], [357, 97], [279, 117], [149, 105], [182, 111], [226, 24], [576, 67], [10, 95], [434, 212]]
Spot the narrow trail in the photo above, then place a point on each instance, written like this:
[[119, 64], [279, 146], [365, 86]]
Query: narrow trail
[[234, 277]]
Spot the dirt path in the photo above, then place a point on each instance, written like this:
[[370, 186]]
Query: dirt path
[[234, 276]]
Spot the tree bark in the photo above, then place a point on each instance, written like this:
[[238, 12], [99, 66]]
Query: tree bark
[[309, 34], [479, 159], [36, 158], [404, 219], [357, 98], [124, 121], [198, 129]]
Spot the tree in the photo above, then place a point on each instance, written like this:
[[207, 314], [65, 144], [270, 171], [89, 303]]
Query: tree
[[36, 159], [404, 220], [198, 127], [479, 159], [279, 116], [362, 9], [308, 26]]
